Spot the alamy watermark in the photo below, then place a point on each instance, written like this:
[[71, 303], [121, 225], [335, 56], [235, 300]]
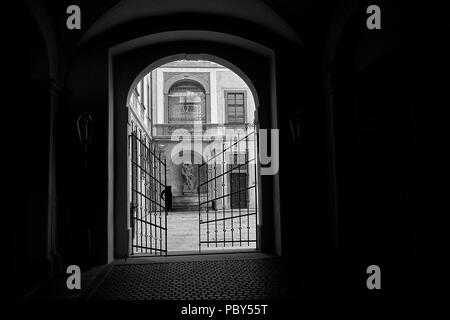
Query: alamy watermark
[[74, 279], [374, 280], [208, 143]]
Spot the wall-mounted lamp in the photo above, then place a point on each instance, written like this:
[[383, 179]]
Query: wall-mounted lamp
[[85, 125], [296, 123]]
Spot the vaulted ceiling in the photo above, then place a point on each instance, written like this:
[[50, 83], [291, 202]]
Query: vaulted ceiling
[[294, 20], [317, 25]]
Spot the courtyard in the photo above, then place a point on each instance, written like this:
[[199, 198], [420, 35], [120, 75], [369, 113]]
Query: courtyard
[[183, 230], [183, 234]]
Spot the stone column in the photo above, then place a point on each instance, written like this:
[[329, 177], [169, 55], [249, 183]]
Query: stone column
[[208, 107], [166, 107]]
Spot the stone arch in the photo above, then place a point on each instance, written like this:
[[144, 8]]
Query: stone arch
[[172, 81], [259, 49], [252, 61], [186, 76]]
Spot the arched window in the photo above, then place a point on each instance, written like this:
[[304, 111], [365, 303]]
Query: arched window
[[186, 102]]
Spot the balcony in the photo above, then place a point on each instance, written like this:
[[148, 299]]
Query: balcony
[[204, 129]]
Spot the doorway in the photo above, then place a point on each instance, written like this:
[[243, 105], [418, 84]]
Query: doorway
[[238, 190], [193, 160]]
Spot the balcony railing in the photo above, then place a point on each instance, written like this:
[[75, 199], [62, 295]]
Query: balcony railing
[[205, 129]]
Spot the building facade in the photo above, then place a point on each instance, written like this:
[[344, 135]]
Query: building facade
[[199, 116]]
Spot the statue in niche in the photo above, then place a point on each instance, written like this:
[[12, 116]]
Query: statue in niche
[[187, 171]]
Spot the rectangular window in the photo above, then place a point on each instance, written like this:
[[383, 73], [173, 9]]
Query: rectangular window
[[235, 102]]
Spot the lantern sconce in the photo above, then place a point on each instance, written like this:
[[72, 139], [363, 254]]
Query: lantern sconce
[[296, 123], [85, 126]]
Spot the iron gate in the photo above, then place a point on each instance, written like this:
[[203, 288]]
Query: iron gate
[[148, 211], [228, 194]]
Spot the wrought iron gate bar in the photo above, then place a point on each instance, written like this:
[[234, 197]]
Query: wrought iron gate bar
[[227, 218], [226, 149], [165, 181], [227, 241], [228, 171], [207, 211], [239, 207], [148, 173], [215, 196], [150, 223], [248, 207], [227, 195], [149, 199], [133, 135], [143, 247], [223, 199], [199, 217]]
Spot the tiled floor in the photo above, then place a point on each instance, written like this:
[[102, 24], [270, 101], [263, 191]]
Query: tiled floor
[[234, 275], [213, 278]]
